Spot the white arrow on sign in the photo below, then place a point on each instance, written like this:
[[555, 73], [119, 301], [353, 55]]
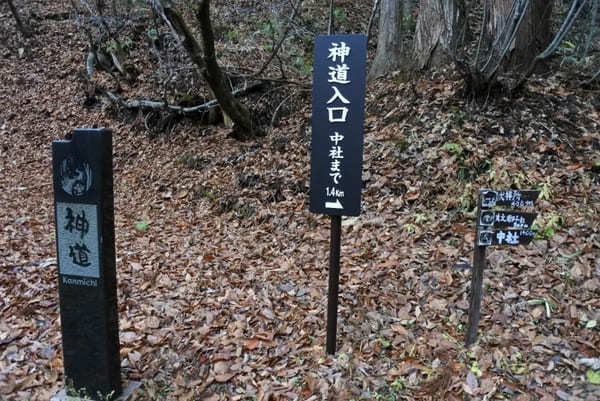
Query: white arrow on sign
[[334, 205]]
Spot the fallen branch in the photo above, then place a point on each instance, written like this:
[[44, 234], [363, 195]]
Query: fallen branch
[[144, 104]]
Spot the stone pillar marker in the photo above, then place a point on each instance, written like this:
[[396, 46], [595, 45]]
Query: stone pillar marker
[[85, 245]]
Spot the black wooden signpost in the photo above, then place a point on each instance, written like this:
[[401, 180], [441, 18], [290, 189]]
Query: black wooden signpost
[[84, 211], [497, 227], [337, 144]]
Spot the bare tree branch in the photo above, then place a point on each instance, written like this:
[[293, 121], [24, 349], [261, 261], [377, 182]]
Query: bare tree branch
[[371, 18], [596, 75], [574, 11], [25, 31], [296, 10], [593, 17], [330, 26]]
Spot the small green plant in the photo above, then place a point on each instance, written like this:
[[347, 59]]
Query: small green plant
[[545, 190], [553, 224], [567, 51], [141, 225], [420, 218], [410, 228], [245, 211], [397, 384], [232, 35], [475, 369], [453, 148], [453, 242], [384, 343], [114, 45], [339, 16], [268, 28]]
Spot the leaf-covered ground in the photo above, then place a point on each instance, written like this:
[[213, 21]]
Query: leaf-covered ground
[[222, 271]]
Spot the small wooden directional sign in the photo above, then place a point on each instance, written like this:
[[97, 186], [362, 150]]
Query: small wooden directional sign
[[502, 227], [504, 237], [497, 227], [506, 219], [337, 124], [510, 198]]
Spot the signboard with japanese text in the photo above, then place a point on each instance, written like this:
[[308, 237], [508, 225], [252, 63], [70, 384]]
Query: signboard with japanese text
[[505, 227], [85, 247], [77, 239], [509, 198], [506, 219], [337, 124], [505, 237], [497, 227]]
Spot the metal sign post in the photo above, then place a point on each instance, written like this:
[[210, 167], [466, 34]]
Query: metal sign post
[[85, 244], [337, 144], [497, 227]]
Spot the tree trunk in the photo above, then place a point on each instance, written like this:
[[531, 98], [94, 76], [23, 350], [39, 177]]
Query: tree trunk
[[532, 37], [25, 31], [441, 26], [389, 39], [244, 126]]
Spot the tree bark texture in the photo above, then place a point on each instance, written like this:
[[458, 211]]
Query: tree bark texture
[[244, 126], [441, 26], [389, 39], [532, 37]]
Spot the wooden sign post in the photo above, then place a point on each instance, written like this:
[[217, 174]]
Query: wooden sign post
[[337, 145], [85, 244], [497, 227]]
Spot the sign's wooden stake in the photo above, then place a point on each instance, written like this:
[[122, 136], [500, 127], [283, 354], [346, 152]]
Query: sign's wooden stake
[[476, 286]]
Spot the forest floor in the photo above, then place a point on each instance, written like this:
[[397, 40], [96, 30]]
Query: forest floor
[[222, 270]]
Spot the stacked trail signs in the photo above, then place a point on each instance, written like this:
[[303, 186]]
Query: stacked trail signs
[[85, 244], [497, 226], [505, 227]]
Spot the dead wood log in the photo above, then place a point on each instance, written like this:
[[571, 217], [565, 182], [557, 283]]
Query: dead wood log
[[144, 104]]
